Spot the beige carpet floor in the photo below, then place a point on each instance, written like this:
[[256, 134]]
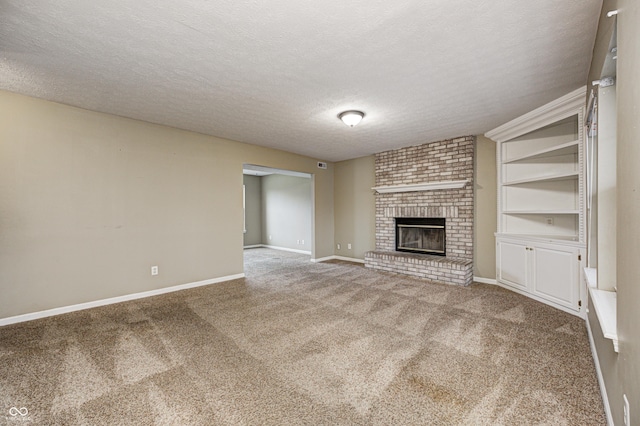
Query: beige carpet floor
[[297, 343]]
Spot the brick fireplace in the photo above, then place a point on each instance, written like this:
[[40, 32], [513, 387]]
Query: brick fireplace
[[433, 180]]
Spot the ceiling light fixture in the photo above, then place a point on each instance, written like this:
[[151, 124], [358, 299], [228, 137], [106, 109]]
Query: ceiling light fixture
[[351, 118]]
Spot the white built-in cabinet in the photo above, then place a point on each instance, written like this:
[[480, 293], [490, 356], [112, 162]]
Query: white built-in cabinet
[[547, 270], [540, 243]]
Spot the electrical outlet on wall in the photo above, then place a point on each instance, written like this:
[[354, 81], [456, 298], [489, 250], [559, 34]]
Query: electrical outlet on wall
[[338, 245], [349, 246], [302, 242], [154, 270]]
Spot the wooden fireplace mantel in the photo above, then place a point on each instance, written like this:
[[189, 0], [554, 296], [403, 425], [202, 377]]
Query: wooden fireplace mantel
[[427, 186]]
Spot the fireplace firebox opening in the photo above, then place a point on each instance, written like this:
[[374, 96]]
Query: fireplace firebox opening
[[424, 235]]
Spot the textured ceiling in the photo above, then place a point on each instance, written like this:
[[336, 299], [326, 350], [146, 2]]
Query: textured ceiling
[[277, 73]]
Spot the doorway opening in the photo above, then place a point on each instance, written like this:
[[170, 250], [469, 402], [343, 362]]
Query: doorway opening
[[278, 211]]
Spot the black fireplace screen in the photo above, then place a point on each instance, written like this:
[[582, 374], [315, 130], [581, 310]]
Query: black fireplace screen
[[421, 235]]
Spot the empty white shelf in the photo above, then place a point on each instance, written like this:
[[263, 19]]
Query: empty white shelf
[[562, 149], [550, 178]]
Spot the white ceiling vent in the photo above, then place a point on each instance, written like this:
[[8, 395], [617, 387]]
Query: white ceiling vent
[[322, 165]]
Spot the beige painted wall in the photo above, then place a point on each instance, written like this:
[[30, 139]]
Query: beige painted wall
[[608, 359], [622, 371], [354, 208], [485, 214], [628, 199], [286, 211], [253, 210], [90, 201]]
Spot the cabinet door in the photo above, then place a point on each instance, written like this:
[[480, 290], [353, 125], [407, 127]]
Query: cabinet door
[[556, 274], [512, 264]]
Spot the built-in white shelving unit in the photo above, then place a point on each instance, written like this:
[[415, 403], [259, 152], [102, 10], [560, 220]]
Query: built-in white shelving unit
[[540, 238]]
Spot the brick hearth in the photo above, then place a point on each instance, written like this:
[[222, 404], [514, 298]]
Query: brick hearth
[[448, 160]]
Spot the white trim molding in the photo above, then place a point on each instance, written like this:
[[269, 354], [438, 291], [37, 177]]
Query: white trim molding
[[349, 259], [335, 257], [323, 259], [419, 187], [485, 280], [110, 301], [286, 249], [563, 107], [277, 248], [580, 314], [605, 304]]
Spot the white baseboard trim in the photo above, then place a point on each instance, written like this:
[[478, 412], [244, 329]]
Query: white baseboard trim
[[349, 259], [286, 249], [323, 259], [253, 246], [485, 280], [82, 306], [603, 389], [581, 313], [334, 257]]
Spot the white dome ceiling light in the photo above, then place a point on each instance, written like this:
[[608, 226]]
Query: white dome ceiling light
[[351, 118]]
